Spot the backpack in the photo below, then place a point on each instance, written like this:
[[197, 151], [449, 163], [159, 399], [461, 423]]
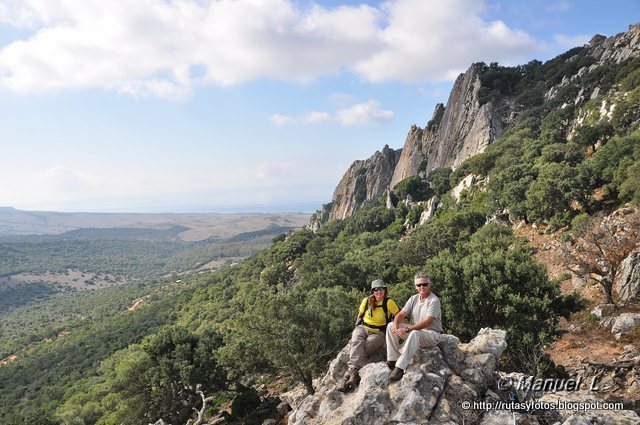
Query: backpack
[[382, 328]]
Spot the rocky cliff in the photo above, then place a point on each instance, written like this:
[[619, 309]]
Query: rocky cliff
[[464, 128], [363, 181], [460, 130]]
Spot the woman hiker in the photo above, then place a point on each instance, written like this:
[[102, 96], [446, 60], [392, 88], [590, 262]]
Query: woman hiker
[[369, 334]]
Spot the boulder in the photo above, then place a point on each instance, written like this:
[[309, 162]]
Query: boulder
[[588, 414], [627, 283], [625, 323], [429, 210], [465, 184], [433, 386], [603, 310]]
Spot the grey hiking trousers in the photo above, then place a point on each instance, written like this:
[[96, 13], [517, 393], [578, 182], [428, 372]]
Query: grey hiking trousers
[[364, 342]]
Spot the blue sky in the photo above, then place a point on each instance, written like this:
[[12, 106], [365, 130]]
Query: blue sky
[[240, 105]]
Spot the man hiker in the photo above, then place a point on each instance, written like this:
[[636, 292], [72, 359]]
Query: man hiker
[[424, 331]]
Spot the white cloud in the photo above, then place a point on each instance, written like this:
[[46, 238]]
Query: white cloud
[[366, 113], [155, 47], [435, 40], [342, 99], [279, 119], [66, 180], [101, 189], [315, 117]]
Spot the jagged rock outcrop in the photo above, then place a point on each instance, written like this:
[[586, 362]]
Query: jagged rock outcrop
[[433, 387], [319, 217], [619, 48], [627, 284], [465, 184], [603, 49], [364, 181], [429, 210], [463, 129], [625, 323]]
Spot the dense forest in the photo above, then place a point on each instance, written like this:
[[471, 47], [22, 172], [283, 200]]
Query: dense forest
[[287, 310]]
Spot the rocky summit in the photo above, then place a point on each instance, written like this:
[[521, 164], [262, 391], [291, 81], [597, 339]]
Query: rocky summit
[[467, 125], [435, 387]]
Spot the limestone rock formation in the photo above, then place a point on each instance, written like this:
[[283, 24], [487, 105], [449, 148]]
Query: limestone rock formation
[[619, 48], [461, 130], [627, 284], [432, 389], [364, 181], [319, 217], [429, 210], [625, 323], [465, 184]]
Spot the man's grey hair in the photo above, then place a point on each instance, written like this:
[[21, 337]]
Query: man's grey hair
[[422, 275]]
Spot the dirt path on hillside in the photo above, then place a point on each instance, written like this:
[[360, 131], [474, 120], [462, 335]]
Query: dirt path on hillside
[[582, 339]]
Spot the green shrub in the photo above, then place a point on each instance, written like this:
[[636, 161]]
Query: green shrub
[[414, 186], [244, 403], [414, 215], [440, 180]]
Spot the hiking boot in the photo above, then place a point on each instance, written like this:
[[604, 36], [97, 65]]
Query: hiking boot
[[396, 374], [354, 380], [350, 381], [343, 386], [391, 364]]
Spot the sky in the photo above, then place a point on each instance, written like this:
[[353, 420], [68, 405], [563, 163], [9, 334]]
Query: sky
[[241, 105]]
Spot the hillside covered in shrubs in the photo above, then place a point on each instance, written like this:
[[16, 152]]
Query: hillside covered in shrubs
[[282, 314]]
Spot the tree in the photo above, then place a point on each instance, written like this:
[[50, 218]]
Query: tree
[[555, 190], [440, 180], [492, 280], [441, 232], [181, 361], [603, 244], [294, 332], [370, 218], [589, 136], [413, 186], [509, 187], [630, 186]]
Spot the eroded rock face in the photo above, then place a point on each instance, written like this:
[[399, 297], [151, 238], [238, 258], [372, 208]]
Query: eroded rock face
[[627, 283], [433, 386], [619, 48], [460, 130], [429, 210], [364, 181]]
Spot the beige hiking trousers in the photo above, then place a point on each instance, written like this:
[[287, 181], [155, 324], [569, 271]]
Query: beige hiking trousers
[[414, 340]]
